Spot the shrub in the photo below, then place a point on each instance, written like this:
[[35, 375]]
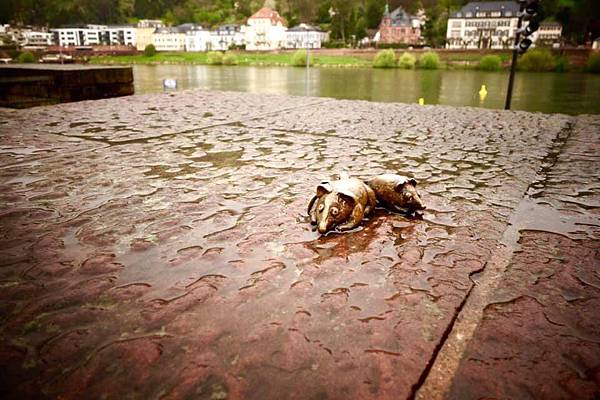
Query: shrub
[[214, 58], [234, 46], [229, 59], [26, 57], [490, 63], [593, 63], [407, 61], [429, 60], [385, 59], [299, 58], [149, 50], [562, 64], [537, 60]]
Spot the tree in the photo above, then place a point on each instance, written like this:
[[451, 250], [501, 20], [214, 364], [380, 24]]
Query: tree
[[150, 50], [374, 13]]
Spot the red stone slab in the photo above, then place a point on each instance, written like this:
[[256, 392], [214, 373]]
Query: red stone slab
[[184, 265]]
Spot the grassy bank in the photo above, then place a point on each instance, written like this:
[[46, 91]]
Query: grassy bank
[[533, 60], [241, 58]]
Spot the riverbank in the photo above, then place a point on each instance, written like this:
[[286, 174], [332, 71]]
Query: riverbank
[[319, 58], [562, 60], [240, 58]]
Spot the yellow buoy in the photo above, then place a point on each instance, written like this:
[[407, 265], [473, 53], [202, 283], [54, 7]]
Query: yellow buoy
[[483, 93], [421, 101]]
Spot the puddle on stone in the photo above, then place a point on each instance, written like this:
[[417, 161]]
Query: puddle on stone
[[531, 215]]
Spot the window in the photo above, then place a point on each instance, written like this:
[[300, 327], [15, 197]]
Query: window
[[469, 14], [508, 13], [495, 13]]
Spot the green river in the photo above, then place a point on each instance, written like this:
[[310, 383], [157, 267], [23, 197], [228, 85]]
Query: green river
[[570, 93]]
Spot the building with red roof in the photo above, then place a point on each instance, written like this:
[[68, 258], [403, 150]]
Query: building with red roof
[[265, 30]]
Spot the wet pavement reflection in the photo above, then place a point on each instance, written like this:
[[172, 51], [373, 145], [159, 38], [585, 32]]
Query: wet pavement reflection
[[157, 246]]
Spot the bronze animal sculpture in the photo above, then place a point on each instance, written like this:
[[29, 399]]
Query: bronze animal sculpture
[[341, 204], [396, 193]]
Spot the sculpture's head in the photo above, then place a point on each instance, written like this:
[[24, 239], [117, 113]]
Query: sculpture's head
[[409, 197], [333, 208]]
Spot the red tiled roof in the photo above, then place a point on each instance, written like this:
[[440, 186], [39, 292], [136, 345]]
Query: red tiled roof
[[266, 12]]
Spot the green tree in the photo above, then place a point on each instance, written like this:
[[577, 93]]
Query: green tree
[[150, 50], [374, 13], [26, 58]]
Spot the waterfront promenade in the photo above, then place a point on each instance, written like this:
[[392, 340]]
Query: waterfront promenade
[[156, 247]]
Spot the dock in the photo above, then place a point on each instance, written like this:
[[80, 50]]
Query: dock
[[29, 85]]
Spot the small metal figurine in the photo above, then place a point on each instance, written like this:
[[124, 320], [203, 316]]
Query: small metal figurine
[[341, 204], [396, 193]]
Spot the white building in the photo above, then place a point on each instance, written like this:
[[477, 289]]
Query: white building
[[549, 34], [37, 39], [29, 37], [265, 30], [150, 23], [93, 35], [75, 36], [483, 25], [304, 36], [119, 35], [226, 36], [197, 39], [168, 39]]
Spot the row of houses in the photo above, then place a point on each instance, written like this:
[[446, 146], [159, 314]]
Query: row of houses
[[478, 25], [493, 25], [265, 30]]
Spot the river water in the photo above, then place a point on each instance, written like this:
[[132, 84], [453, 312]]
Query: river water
[[570, 93]]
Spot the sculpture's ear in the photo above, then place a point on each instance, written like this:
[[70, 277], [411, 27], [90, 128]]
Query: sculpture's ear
[[324, 188], [399, 186], [347, 199], [413, 182]]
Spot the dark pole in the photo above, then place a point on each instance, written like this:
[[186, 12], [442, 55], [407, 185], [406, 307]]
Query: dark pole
[[513, 65]]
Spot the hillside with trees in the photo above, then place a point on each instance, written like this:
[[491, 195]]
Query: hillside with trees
[[347, 19]]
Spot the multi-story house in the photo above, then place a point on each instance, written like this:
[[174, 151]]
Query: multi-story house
[[197, 39], [168, 39], [305, 36], [93, 35], [265, 30], [37, 39], [226, 36], [76, 36], [399, 27], [549, 34], [483, 25], [119, 35], [150, 23], [144, 31], [29, 37]]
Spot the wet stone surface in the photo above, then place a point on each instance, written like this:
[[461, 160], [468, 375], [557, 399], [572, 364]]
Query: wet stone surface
[[157, 246], [540, 332]]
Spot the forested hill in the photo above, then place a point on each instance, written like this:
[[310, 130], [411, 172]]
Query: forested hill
[[351, 18]]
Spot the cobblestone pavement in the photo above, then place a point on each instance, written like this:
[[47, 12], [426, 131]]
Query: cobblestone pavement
[[157, 247]]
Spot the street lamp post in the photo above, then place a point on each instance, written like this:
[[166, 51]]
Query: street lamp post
[[527, 9]]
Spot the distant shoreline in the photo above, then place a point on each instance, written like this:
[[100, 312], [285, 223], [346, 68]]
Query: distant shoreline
[[327, 58]]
